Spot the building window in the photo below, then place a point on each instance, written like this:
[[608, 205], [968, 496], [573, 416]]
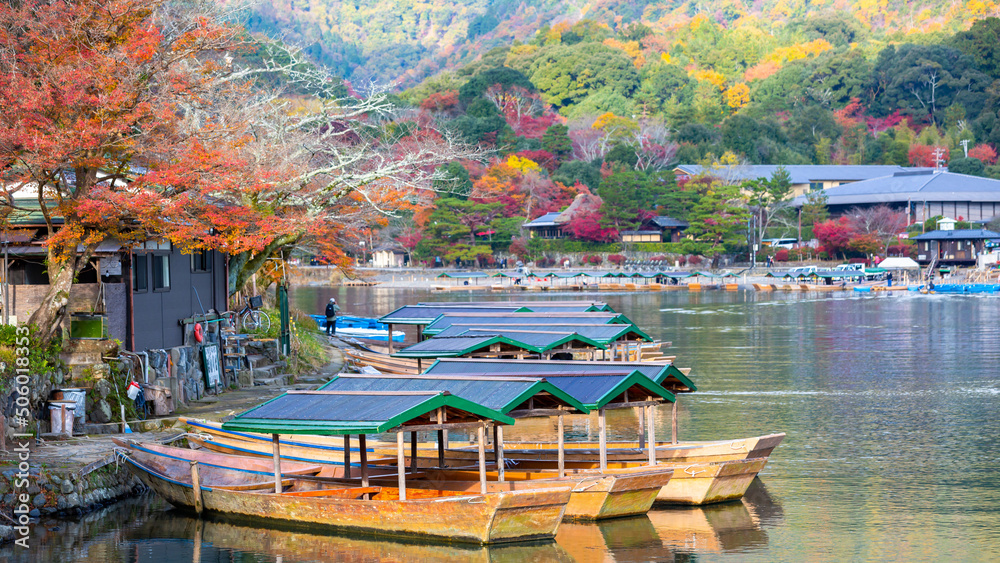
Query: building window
[[140, 273], [201, 261], [815, 186], [927, 246], [161, 272]]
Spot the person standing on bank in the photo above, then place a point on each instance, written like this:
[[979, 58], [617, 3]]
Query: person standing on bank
[[331, 317]]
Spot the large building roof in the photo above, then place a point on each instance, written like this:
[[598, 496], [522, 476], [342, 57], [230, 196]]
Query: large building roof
[[806, 173], [906, 187], [958, 234]]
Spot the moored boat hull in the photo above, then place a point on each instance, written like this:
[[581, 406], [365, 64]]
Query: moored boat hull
[[491, 518]]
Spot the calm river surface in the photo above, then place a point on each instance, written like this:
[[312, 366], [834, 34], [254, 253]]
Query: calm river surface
[[889, 403]]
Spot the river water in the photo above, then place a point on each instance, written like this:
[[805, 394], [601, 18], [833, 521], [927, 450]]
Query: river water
[[889, 403]]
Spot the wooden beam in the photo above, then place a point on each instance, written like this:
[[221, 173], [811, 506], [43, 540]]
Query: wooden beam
[[498, 446], [413, 450], [347, 456], [364, 459], [390, 337], [528, 413], [562, 447], [651, 428], [401, 465], [631, 404], [673, 423], [602, 429], [641, 412], [196, 483], [482, 458], [440, 437], [430, 427], [277, 463]]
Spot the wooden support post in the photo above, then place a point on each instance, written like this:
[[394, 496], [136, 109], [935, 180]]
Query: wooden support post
[[673, 423], [363, 450], [347, 456], [642, 426], [390, 337], [496, 451], [401, 465], [602, 429], [440, 437], [498, 446], [420, 333], [413, 451], [196, 483], [562, 448], [277, 463], [482, 458], [652, 434], [420, 366]]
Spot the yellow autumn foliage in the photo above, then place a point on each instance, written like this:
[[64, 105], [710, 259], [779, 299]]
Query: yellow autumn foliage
[[738, 96], [522, 164]]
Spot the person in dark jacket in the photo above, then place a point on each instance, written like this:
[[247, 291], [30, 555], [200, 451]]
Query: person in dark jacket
[[331, 317]]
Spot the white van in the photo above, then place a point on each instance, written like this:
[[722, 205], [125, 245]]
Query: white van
[[802, 271]]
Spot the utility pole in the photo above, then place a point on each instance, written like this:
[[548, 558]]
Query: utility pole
[[965, 146]]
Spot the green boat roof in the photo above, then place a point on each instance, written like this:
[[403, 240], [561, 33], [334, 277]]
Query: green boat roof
[[454, 346], [328, 413], [502, 394]]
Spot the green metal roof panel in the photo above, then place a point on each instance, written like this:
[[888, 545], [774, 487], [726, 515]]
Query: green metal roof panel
[[494, 319], [340, 412], [661, 373], [424, 314], [453, 346], [497, 393], [603, 333]]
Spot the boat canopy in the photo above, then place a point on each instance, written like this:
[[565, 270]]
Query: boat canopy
[[424, 314], [329, 413], [455, 346], [463, 275], [663, 373], [522, 396], [603, 333], [548, 317], [577, 306]]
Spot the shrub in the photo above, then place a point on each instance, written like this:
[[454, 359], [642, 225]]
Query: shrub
[[594, 259], [781, 255], [694, 260], [616, 259]]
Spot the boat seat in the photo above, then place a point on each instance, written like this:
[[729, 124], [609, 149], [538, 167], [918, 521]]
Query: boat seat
[[354, 492]]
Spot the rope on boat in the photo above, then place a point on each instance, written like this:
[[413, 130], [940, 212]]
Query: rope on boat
[[578, 490], [693, 473], [739, 447]]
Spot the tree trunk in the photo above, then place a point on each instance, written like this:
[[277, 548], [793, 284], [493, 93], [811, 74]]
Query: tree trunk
[[246, 264], [62, 271]]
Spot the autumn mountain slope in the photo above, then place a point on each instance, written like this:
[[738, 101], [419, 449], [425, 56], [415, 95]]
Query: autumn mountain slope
[[406, 41]]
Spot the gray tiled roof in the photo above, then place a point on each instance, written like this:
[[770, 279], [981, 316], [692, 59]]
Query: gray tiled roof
[[806, 173], [547, 220], [913, 186], [958, 234]]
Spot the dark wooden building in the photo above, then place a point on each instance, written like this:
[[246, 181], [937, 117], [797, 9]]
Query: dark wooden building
[[958, 247]]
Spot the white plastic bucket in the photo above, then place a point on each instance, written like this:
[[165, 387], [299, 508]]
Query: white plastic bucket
[[133, 390], [79, 396], [61, 416]]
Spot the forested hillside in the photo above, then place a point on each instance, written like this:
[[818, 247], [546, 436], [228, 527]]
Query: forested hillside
[[587, 107], [410, 40]]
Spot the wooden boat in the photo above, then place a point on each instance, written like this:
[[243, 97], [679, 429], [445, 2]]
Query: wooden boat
[[454, 516], [280, 542], [382, 362], [697, 482], [173, 457], [595, 497], [691, 484], [684, 452]]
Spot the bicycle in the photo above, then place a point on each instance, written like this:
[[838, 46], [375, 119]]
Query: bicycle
[[251, 318]]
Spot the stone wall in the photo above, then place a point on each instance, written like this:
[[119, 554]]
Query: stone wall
[[67, 491]]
